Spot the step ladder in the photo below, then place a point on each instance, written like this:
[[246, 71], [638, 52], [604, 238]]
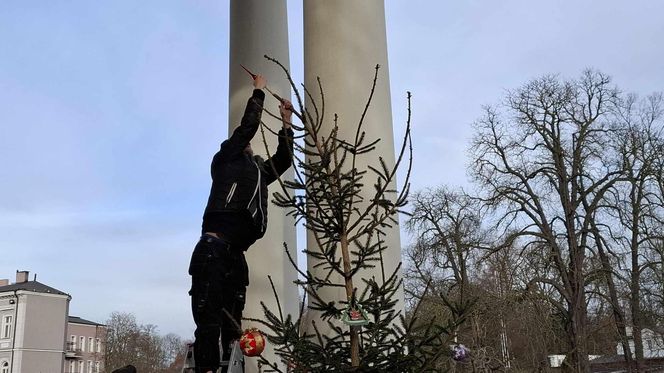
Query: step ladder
[[235, 364]]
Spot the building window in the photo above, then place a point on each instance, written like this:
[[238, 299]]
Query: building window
[[72, 365], [91, 346], [4, 368], [97, 367], [80, 366], [7, 326], [82, 345], [98, 345], [89, 366]]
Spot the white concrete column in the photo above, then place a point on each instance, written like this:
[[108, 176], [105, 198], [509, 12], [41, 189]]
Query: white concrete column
[[343, 42], [257, 28]]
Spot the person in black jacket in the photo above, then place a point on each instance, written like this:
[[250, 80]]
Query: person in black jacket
[[235, 217]]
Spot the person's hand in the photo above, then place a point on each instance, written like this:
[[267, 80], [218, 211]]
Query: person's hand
[[286, 111], [260, 82]]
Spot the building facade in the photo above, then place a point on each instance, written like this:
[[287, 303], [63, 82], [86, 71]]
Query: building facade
[[36, 331], [84, 350], [653, 343]]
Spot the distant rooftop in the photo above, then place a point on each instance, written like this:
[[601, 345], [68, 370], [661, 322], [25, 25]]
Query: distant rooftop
[[608, 359], [33, 286], [78, 320]]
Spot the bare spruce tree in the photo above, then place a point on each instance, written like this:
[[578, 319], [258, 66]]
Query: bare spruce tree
[[347, 232]]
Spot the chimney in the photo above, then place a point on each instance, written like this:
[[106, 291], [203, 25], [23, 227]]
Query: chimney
[[4, 282], [22, 276]]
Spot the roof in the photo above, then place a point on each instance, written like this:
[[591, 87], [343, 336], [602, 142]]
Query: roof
[[78, 320], [33, 286]]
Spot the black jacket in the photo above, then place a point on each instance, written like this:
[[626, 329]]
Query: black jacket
[[237, 205]]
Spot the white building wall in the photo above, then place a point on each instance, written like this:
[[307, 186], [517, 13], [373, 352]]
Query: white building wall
[[7, 308], [653, 344], [40, 331], [39, 322]]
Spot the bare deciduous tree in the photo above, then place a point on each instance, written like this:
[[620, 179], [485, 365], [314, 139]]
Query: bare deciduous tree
[[544, 167], [128, 342], [637, 202], [570, 175]]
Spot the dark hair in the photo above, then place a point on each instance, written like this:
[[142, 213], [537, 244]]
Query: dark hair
[[126, 369]]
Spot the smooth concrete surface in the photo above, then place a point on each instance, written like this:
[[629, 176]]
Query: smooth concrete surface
[[257, 28], [40, 332], [343, 42]]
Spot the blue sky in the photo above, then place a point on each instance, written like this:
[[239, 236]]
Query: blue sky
[[110, 112]]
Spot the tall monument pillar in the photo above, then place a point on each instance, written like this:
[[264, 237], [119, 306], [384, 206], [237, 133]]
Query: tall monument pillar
[[343, 42], [257, 28]]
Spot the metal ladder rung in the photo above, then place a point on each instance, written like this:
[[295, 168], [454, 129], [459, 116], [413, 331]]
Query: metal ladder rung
[[235, 364]]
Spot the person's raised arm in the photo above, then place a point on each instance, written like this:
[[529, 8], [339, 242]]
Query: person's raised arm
[[283, 158], [251, 119]]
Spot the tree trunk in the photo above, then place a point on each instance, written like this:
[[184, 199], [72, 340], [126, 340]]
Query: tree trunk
[[578, 356], [636, 197], [578, 312], [354, 337], [619, 319], [618, 314], [635, 306]]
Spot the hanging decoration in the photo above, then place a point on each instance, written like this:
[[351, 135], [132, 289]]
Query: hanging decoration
[[252, 342], [460, 353], [354, 315]]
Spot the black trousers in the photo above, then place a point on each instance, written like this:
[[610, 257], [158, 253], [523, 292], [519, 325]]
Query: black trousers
[[219, 279]]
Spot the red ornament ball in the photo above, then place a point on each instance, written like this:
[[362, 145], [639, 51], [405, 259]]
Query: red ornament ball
[[252, 342]]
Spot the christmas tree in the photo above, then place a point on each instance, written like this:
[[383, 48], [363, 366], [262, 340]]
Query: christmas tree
[[365, 330]]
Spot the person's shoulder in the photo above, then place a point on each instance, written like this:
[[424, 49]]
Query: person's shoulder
[[221, 152]]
